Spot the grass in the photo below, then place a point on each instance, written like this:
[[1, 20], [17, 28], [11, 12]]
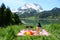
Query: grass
[[9, 33]]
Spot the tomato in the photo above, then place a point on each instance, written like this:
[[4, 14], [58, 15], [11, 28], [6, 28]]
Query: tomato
[[31, 33]]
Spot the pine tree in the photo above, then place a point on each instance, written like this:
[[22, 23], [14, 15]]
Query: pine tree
[[8, 16], [2, 9]]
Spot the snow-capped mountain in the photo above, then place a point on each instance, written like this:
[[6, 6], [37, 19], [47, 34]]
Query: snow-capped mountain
[[29, 7], [29, 10]]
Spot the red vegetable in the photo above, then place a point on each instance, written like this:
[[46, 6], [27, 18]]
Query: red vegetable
[[31, 33]]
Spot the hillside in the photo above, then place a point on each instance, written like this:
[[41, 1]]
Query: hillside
[[54, 13]]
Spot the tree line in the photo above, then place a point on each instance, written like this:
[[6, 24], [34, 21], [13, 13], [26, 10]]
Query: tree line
[[7, 17]]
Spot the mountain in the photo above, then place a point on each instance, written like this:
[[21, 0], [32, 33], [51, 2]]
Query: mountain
[[55, 8], [36, 7], [54, 13], [29, 10], [35, 10]]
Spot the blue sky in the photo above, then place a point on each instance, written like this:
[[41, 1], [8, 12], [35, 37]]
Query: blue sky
[[45, 4]]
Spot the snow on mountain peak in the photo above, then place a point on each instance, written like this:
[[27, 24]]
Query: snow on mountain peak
[[33, 6]]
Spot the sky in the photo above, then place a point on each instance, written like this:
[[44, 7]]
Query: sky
[[45, 4]]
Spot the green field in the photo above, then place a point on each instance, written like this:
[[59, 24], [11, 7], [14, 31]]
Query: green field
[[9, 33]]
